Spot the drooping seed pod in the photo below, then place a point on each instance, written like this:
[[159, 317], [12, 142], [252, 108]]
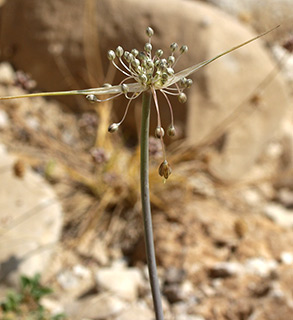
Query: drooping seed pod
[[165, 169], [92, 98], [171, 132], [182, 98], [189, 83], [113, 127], [159, 132]]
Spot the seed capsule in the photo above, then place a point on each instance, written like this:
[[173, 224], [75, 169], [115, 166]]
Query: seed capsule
[[171, 132], [119, 51], [124, 88], [149, 32], [182, 98], [171, 60], [182, 82], [173, 46], [126, 54], [189, 83], [135, 52], [135, 63], [170, 71], [165, 169], [159, 53], [159, 133], [111, 55], [148, 47], [91, 98], [184, 49], [113, 127], [143, 78]]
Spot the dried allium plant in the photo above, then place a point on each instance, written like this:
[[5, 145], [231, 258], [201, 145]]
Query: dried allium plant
[[146, 74]]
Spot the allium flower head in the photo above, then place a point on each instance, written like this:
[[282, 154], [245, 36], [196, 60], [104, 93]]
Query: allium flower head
[[146, 71]]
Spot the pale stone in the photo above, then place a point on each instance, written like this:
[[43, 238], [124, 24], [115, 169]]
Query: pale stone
[[137, 312], [279, 214], [260, 266], [4, 120], [125, 283], [6, 72], [31, 222], [97, 307]]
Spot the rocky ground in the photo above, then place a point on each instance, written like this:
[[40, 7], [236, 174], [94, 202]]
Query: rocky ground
[[224, 251], [70, 210]]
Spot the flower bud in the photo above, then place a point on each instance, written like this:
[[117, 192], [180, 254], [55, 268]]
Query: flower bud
[[159, 133], [173, 46], [111, 55], [184, 49], [159, 53], [165, 169], [171, 132], [119, 51], [113, 127], [149, 32], [171, 60], [148, 47], [91, 98], [182, 98], [170, 71], [143, 78], [189, 83], [135, 52]]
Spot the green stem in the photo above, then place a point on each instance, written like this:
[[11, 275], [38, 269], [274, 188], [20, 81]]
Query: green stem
[[146, 206]]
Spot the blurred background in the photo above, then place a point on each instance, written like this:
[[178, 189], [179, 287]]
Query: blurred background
[[69, 194]]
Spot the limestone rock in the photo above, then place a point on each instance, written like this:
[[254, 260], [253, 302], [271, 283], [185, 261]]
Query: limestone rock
[[96, 307], [261, 14], [138, 312], [31, 221], [279, 214], [55, 36], [123, 282], [6, 73]]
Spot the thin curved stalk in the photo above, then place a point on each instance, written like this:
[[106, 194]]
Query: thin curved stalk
[[146, 207]]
